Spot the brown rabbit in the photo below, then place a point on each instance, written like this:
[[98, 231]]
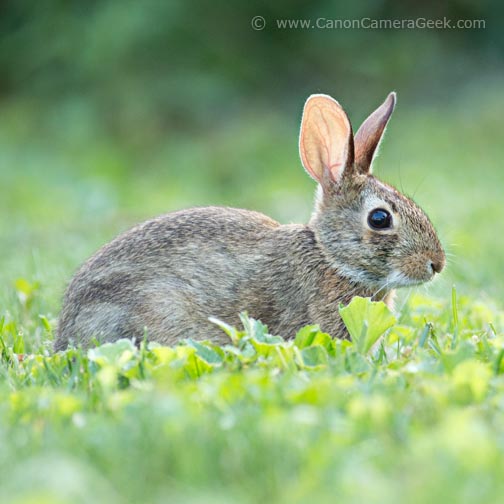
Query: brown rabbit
[[167, 276]]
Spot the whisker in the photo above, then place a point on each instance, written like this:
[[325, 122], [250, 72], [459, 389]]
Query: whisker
[[384, 286], [406, 299], [420, 184], [400, 177], [452, 260]]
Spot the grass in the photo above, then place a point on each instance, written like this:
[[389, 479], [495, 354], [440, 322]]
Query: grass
[[260, 419]]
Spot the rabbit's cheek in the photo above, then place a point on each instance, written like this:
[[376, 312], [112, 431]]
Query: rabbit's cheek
[[382, 247]]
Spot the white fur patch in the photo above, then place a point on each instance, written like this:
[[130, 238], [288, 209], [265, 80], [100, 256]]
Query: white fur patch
[[352, 274], [398, 279]]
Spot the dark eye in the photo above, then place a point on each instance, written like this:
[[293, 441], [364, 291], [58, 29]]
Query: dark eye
[[379, 219]]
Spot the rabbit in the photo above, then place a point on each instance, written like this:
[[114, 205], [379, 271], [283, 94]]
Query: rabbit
[[165, 278]]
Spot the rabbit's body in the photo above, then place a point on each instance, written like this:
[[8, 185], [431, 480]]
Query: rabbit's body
[[167, 276], [152, 278]]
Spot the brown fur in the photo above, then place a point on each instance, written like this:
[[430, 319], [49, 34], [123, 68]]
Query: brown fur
[[167, 276]]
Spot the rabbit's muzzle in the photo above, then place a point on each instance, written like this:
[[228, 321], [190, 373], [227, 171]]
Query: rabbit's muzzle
[[421, 267]]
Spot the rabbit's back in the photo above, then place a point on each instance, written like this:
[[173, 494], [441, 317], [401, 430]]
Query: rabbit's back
[[169, 274]]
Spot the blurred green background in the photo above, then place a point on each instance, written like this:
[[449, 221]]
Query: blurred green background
[[115, 111]]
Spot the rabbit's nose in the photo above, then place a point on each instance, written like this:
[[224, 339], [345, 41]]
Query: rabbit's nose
[[437, 265]]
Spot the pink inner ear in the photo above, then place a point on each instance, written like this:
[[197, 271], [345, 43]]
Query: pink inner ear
[[328, 149], [335, 169], [334, 138], [325, 133]]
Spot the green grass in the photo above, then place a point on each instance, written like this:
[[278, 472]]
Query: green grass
[[261, 419], [417, 417]]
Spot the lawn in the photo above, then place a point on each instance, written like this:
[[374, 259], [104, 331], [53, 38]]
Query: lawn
[[416, 417]]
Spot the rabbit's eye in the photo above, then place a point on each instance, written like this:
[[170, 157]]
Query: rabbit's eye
[[379, 219]]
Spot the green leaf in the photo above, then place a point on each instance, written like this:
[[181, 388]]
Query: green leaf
[[366, 321], [116, 353], [233, 334], [258, 331], [19, 345], [195, 366], [312, 335], [306, 335], [425, 334], [205, 352], [46, 323], [314, 356]]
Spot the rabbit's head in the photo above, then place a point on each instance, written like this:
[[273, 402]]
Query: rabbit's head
[[372, 234]]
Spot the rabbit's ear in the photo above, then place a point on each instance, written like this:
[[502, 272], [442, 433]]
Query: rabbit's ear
[[370, 133], [326, 139]]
